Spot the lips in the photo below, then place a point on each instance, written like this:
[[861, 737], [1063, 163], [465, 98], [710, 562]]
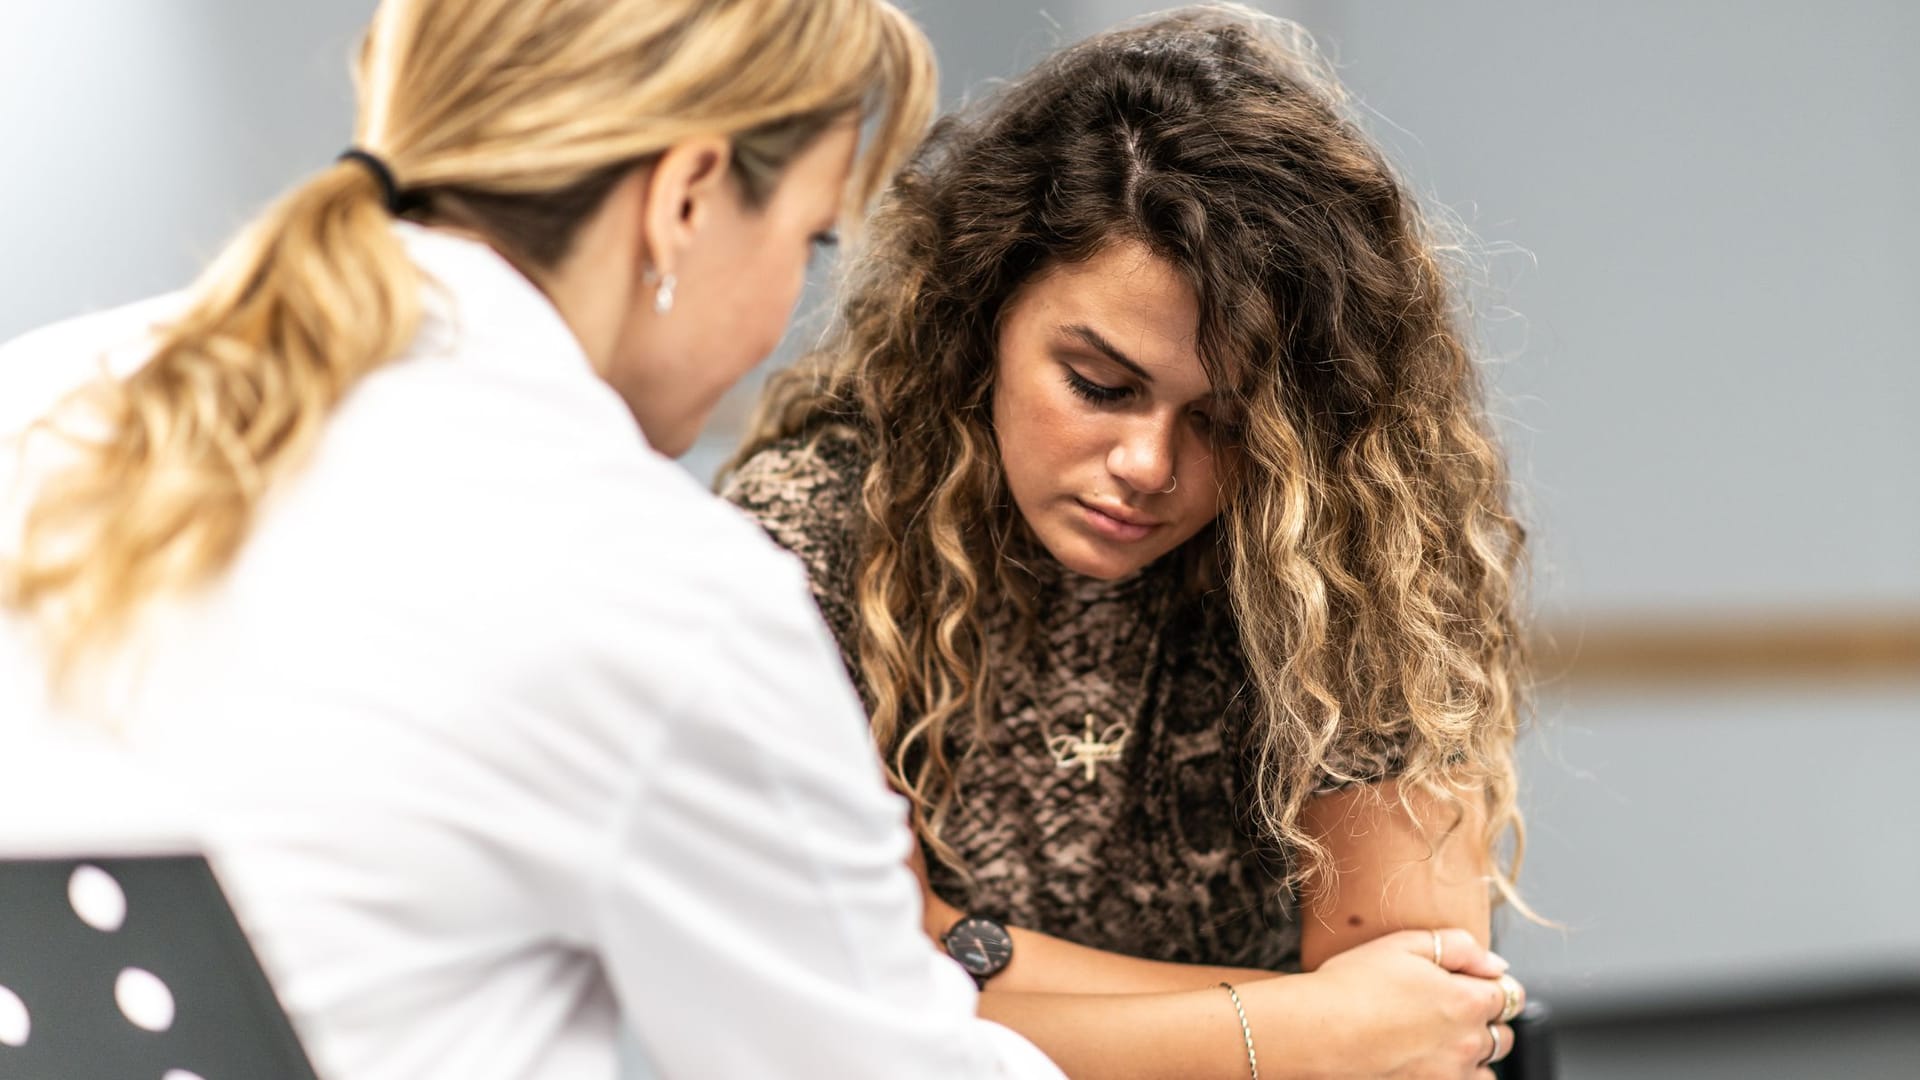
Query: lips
[[1116, 523]]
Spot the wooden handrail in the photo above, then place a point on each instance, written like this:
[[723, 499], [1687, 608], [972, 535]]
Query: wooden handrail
[[1607, 650]]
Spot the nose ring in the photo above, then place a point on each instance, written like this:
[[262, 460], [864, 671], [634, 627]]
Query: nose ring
[[1170, 487]]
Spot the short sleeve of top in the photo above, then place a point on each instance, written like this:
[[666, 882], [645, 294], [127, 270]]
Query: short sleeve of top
[[805, 493]]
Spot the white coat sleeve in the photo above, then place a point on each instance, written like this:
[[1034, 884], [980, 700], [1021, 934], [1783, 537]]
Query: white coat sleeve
[[757, 916]]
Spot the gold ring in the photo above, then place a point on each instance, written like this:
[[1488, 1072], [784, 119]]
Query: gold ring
[[1510, 1007], [1436, 948], [1493, 1054]]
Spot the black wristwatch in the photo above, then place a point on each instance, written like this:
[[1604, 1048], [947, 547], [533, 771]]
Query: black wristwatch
[[981, 945]]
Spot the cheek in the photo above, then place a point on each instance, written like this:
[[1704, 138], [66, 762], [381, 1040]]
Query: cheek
[[1024, 439], [766, 293], [789, 279], [1045, 426], [1207, 499]]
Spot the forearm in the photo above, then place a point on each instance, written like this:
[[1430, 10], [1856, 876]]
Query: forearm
[[1194, 1035], [1044, 964], [1383, 1009], [1047, 965]]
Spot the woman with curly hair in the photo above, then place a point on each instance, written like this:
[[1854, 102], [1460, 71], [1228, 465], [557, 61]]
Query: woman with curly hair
[[1146, 484]]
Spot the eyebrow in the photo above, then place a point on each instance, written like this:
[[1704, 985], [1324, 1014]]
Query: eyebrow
[[1092, 339]]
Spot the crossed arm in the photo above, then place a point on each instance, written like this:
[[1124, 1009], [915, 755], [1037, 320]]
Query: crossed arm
[[1101, 1014]]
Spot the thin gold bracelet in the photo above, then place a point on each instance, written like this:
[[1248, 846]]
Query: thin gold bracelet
[[1246, 1029]]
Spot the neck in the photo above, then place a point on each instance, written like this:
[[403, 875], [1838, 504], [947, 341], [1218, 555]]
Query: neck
[[594, 284]]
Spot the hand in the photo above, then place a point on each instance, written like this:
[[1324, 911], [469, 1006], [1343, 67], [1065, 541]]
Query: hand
[[1385, 1011]]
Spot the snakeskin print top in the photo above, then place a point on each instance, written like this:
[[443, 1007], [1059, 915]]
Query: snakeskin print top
[[1147, 853]]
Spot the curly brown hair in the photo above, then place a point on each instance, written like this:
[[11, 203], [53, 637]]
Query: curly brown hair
[[1365, 537]]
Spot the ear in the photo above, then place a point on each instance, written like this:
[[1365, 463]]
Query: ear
[[687, 187]]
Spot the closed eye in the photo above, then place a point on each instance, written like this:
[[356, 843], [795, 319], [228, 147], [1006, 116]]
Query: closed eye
[[825, 240], [1096, 392]]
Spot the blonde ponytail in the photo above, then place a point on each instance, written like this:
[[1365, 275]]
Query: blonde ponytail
[[514, 117], [314, 295]]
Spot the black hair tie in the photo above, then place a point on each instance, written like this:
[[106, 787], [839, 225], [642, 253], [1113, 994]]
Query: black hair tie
[[397, 201]]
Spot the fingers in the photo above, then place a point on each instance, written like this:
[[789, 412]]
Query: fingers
[[1494, 1000], [1511, 997], [1482, 1046], [1455, 950], [1499, 999], [1499, 1044]]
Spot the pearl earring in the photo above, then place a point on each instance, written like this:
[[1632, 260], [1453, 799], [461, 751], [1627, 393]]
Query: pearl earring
[[663, 296]]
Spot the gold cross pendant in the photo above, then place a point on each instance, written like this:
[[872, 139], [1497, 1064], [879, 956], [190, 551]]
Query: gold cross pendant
[[1089, 750]]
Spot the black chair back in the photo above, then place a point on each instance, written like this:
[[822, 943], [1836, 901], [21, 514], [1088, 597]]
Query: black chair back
[[133, 969]]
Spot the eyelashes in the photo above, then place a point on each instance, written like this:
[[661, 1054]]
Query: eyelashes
[[822, 241], [1099, 394], [1095, 392]]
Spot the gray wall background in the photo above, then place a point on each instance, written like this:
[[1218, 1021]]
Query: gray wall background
[[1699, 231]]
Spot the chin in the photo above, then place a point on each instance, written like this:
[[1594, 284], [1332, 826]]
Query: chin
[[1093, 560], [1108, 571]]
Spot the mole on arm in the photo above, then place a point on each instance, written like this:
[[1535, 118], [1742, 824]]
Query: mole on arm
[[1354, 920]]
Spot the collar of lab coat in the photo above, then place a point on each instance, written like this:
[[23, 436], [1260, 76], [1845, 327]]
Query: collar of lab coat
[[480, 305]]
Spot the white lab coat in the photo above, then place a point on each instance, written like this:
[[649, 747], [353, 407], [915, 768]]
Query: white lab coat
[[501, 729]]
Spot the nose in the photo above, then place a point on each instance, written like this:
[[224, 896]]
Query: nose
[[1143, 456]]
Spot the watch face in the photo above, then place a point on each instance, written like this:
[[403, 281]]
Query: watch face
[[982, 946]]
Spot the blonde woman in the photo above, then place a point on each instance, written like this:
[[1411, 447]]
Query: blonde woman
[[501, 729], [1146, 484]]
